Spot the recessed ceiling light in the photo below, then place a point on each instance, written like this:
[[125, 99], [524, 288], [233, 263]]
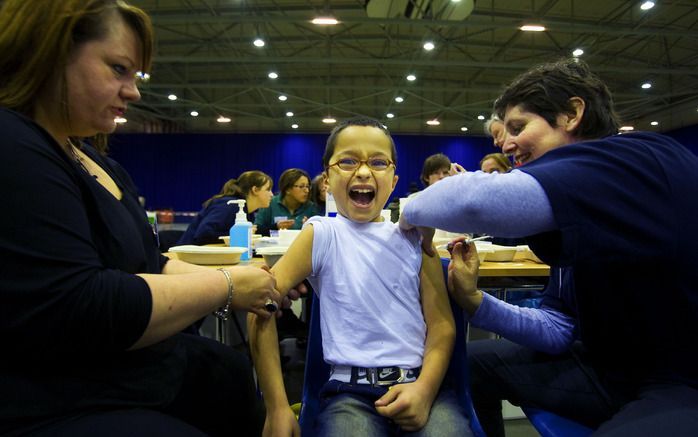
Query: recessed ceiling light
[[223, 119], [289, 114], [411, 77], [390, 115], [626, 128], [654, 123], [463, 129], [399, 99], [283, 98], [646, 86], [172, 97], [429, 46], [532, 28], [433, 122], [329, 120], [294, 126], [272, 75], [646, 6], [258, 42], [480, 117], [577, 53], [194, 113], [120, 120], [325, 21]]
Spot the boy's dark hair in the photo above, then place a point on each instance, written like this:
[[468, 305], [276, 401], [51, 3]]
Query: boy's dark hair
[[546, 89], [433, 164], [355, 121]]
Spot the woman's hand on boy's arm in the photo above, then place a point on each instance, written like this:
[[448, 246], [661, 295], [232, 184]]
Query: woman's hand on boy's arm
[[281, 423], [408, 405]]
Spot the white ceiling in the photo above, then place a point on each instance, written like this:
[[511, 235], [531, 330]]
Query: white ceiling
[[206, 57]]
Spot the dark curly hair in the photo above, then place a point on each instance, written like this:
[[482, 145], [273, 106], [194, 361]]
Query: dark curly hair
[[546, 90]]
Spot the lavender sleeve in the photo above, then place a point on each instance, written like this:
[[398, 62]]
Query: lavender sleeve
[[542, 329], [512, 204]]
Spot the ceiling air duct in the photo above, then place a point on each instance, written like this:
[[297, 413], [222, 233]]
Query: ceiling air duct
[[420, 9]]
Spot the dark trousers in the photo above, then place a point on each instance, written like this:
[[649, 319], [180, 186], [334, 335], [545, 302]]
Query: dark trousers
[[568, 386], [218, 397]]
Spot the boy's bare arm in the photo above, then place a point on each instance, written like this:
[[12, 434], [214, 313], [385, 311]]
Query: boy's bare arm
[[290, 270], [409, 404]]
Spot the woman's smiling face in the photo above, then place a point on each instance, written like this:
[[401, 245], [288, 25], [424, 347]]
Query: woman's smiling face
[[530, 136]]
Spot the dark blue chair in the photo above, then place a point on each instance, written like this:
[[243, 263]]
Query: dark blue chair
[[552, 425], [317, 371]]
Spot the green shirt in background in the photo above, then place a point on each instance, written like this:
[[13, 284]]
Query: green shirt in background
[[266, 218]]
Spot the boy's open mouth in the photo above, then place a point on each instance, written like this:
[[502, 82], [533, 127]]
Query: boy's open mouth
[[362, 196]]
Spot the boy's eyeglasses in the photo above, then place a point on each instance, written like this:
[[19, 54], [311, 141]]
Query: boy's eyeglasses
[[352, 164], [302, 187]]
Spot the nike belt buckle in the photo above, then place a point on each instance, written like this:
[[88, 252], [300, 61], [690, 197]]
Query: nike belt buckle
[[389, 375]]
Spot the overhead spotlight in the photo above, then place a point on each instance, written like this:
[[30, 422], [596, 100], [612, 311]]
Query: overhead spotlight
[[194, 113], [463, 129], [294, 126], [646, 85], [433, 122], [289, 114], [325, 21], [258, 42], [429, 46], [646, 6], [626, 128], [390, 115], [480, 117], [654, 123], [577, 53], [272, 75], [283, 98], [399, 99], [223, 119], [411, 77], [120, 120], [532, 28], [172, 97], [329, 120]]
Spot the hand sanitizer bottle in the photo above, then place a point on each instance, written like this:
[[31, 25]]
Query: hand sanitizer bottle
[[241, 231]]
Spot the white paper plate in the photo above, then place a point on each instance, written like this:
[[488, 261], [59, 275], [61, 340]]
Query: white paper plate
[[271, 254], [208, 255]]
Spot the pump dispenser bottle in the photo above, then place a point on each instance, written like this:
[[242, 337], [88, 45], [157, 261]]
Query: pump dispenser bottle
[[241, 231]]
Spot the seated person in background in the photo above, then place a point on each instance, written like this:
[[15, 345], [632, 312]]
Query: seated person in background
[[291, 207], [384, 306], [495, 162], [217, 216], [437, 167], [318, 193], [494, 127], [613, 215]]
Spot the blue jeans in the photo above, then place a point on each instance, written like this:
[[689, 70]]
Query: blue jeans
[[568, 385], [348, 410]]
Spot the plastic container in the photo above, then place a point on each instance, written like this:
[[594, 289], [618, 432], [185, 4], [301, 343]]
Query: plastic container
[[241, 231]]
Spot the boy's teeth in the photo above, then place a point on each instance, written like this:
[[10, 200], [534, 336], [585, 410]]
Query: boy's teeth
[[365, 190]]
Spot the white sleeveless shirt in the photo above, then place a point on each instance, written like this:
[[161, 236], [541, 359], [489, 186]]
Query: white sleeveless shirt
[[366, 276]]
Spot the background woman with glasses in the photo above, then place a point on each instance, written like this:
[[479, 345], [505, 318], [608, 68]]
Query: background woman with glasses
[[291, 207]]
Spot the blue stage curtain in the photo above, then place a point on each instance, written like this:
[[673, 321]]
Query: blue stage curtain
[[180, 171]]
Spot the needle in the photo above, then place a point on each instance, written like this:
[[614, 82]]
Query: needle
[[467, 241]]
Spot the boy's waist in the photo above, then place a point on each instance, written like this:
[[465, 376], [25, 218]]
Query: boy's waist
[[375, 376]]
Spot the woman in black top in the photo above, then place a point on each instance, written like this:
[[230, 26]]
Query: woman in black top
[[89, 310]]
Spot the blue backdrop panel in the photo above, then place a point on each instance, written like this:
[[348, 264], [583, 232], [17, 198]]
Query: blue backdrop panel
[[180, 171]]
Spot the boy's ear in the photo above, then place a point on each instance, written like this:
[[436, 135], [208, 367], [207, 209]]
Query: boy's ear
[[326, 177], [255, 190], [395, 178]]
